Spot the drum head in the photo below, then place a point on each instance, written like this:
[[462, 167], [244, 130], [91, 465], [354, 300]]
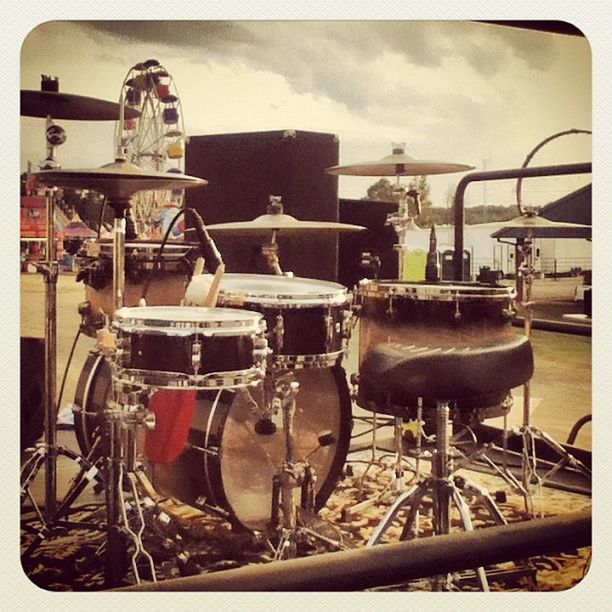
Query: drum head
[[237, 467], [284, 291]]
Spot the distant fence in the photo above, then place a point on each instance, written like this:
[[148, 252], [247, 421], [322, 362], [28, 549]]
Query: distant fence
[[546, 265], [563, 265]]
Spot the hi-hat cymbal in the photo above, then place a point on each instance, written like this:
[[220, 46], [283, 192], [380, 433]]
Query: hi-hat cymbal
[[119, 180], [281, 222], [399, 164], [58, 105], [532, 225]]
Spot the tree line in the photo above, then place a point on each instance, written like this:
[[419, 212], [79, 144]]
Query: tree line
[[384, 191]]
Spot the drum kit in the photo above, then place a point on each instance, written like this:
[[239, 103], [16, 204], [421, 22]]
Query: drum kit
[[242, 407]]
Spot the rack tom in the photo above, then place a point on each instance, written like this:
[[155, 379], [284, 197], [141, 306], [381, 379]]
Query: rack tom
[[307, 320]]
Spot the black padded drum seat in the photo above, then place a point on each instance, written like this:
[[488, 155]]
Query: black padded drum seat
[[393, 373]]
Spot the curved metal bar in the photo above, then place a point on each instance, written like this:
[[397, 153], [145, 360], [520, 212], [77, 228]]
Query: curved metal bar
[[496, 175]]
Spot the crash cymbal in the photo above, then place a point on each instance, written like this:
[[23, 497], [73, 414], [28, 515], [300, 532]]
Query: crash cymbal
[[399, 164], [530, 224], [118, 180], [282, 223], [58, 105]]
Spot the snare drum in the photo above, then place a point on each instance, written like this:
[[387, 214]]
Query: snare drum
[[167, 287], [188, 348], [307, 320]]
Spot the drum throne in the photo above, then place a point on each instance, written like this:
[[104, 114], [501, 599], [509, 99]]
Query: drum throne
[[394, 375]]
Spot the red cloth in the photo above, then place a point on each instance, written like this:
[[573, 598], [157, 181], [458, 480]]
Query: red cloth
[[173, 414]]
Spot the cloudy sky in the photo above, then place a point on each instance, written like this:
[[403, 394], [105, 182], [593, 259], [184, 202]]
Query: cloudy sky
[[455, 91]]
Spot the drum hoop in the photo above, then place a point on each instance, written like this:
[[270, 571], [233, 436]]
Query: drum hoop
[[303, 362], [126, 319], [145, 251], [436, 292], [284, 301], [231, 379]]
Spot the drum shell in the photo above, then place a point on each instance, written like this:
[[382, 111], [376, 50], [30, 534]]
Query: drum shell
[[230, 442], [202, 347], [305, 328], [166, 287], [433, 315], [167, 353]]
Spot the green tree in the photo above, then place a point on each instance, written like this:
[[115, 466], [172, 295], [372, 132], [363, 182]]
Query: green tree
[[382, 191]]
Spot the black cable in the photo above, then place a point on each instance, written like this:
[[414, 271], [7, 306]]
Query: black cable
[[159, 254], [70, 356], [101, 218]]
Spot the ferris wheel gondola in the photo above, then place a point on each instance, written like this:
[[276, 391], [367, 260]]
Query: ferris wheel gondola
[[154, 140]]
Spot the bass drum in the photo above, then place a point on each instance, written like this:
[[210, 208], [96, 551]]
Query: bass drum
[[226, 464]]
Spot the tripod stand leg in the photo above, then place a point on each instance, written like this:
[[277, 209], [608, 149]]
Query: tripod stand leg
[[412, 497], [466, 519], [115, 562]]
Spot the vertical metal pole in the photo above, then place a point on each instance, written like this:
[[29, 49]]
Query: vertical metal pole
[[401, 232], [118, 261], [50, 273], [440, 488]]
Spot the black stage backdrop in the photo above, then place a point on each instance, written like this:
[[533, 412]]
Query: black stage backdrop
[[243, 170]]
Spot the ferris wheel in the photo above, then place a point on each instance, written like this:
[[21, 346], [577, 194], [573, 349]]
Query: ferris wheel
[[155, 140]]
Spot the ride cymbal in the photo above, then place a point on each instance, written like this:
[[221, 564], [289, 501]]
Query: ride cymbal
[[531, 225], [283, 223], [399, 164], [118, 180], [58, 105]]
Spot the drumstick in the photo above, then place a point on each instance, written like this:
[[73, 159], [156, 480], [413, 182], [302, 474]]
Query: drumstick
[[213, 292], [199, 266]]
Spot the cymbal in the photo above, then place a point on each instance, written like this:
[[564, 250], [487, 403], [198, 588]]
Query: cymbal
[[267, 223], [60, 105], [531, 224], [118, 180], [398, 164]]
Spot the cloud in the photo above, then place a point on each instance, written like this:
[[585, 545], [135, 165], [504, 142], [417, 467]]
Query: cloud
[[337, 58]]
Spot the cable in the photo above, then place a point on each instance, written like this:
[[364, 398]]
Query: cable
[[70, 355], [147, 283]]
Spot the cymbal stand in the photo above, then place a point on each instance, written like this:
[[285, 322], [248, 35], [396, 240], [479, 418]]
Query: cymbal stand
[[401, 221], [49, 268], [270, 249], [528, 432], [270, 252], [124, 414]]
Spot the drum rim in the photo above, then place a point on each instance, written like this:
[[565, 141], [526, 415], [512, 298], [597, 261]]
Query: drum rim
[[431, 292], [145, 249], [337, 294]]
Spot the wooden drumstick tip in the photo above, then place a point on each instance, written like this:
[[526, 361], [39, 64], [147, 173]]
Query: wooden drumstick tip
[[213, 292], [199, 266]]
